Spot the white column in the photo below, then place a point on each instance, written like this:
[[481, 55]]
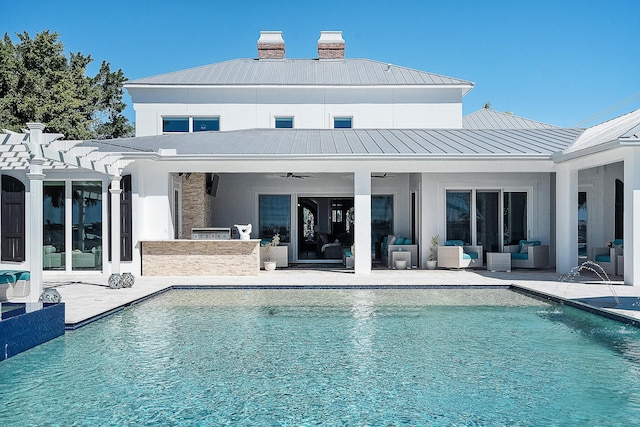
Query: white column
[[362, 205], [566, 219], [115, 223], [36, 209], [631, 215]]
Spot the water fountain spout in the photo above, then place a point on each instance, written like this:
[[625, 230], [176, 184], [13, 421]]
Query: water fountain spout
[[595, 268]]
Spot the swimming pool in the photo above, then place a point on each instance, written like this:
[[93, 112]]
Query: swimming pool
[[308, 357]]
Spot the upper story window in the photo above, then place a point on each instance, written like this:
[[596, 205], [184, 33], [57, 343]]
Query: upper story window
[[203, 124], [284, 122], [190, 124], [175, 124], [342, 122]]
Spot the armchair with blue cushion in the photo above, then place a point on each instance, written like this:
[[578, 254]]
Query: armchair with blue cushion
[[528, 254], [607, 257], [393, 243], [455, 254]]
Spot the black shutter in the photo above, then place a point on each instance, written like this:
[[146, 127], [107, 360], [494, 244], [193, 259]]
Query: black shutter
[[126, 215], [12, 227]]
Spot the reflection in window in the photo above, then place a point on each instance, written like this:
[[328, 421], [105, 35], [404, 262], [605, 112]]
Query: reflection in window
[[459, 216], [275, 216], [87, 225], [204, 124], [515, 217], [582, 224], [53, 215], [381, 220]]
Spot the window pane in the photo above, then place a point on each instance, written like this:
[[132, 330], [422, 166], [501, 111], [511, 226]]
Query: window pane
[[275, 216], [53, 245], [459, 216], [515, 217], [342, 123], [381, 221], [582, 224], [206, 124], [87, 225], [175, 124], [487, 217], [284, 122]]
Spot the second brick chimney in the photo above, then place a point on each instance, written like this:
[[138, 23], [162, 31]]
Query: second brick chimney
[[331, 45], [270, 45]]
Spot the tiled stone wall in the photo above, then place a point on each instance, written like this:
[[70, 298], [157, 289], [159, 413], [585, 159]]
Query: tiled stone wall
[[197, 205], [27, 330], [201, 258]]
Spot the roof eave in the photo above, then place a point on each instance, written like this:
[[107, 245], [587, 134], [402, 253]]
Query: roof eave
[[337, 157], [561, 157]]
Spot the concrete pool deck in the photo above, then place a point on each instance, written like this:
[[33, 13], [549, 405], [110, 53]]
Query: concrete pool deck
[[87, 296]]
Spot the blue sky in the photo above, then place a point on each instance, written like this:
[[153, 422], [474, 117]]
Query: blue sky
[[557, 61]]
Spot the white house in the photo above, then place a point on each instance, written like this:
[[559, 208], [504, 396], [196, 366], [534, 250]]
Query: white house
[[327, 152]]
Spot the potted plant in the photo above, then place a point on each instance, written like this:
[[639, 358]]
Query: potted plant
[[432, 261], [270, 265]]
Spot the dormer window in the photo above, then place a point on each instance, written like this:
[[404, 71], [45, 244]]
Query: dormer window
[[284, 122]]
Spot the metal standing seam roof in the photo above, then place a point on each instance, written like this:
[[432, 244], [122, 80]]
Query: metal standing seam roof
[[624, 127], [490, 119], [300, 72], [350, 142]]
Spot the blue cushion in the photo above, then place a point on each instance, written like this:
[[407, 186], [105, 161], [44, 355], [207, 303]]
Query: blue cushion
[[399, 241], [618, 242], [408, 242], [603, 258], [347, 253], [265, 242], [466, 256], [528, 242], [454, 243], [518, 255], [472, 255]]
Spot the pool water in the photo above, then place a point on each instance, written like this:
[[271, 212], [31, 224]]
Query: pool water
[[331, 357]]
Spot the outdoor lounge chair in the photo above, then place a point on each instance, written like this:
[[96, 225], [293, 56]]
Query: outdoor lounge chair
[[607, 257], [18, 284], [454, 254], [528, 254]]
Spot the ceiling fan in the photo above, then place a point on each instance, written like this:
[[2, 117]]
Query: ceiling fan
[[383, 176], [298, 176]]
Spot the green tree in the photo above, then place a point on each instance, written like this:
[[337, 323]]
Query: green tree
[[39, 84]]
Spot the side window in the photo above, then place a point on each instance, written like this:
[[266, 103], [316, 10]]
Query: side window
[[12, 227]]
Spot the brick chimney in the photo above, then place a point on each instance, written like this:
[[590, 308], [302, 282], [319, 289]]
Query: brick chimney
[[331, 45], [270, 45]]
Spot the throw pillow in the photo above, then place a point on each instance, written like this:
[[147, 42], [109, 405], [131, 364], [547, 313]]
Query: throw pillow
[[525, 248]]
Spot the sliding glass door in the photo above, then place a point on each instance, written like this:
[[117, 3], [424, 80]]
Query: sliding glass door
[[491, 218]]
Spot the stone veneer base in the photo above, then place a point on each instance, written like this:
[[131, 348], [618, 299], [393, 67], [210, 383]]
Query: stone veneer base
[[201, 258]]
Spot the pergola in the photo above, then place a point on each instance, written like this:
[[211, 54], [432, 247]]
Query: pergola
[[35, 152]]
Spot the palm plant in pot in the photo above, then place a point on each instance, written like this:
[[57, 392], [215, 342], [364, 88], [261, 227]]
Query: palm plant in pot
[[432, 261], [270, 264]]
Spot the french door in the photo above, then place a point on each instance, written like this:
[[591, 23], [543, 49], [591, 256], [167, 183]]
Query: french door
[[491, 218]]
